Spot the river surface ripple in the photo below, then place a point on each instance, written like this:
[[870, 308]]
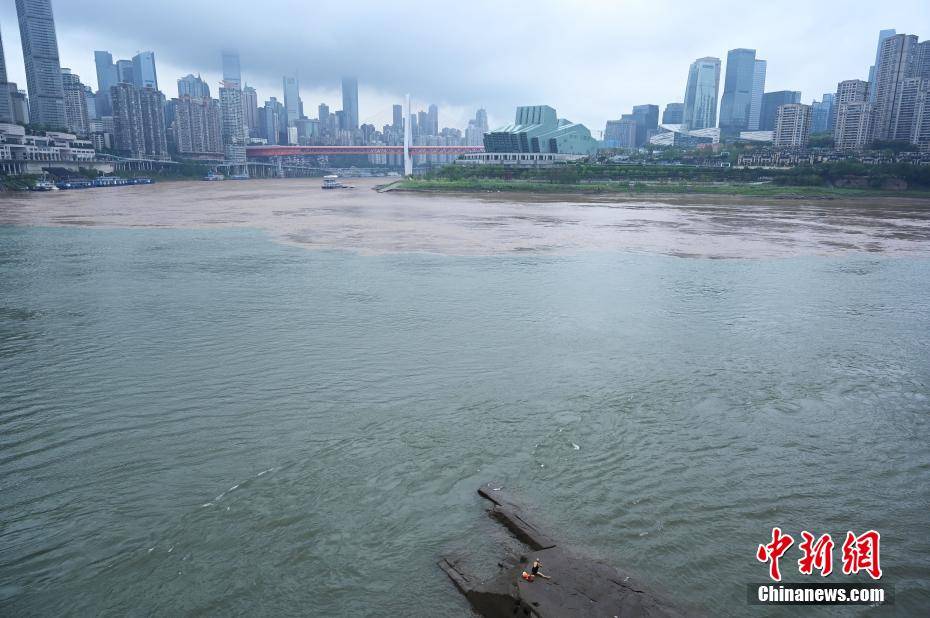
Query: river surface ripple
[[196, 417]]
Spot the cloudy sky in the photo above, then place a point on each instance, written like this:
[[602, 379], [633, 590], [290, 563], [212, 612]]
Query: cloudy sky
[[590, 60]]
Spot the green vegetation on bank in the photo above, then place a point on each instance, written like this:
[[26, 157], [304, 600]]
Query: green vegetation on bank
[[643, 188], [822, 180]]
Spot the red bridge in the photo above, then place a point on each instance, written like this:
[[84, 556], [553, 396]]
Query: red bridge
[[284, 151]]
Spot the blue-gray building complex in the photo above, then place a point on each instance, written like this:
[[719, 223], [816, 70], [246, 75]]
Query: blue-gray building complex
[[537, 128]]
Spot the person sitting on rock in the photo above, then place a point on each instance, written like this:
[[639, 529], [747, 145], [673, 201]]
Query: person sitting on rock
[[535, 570]]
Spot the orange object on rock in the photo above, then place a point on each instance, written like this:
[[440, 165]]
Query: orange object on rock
[[528, 577]]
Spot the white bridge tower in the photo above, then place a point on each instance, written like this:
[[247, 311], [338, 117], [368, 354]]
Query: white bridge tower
[[408, 162]]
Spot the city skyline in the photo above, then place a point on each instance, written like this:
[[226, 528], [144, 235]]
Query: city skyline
[[458, 79]]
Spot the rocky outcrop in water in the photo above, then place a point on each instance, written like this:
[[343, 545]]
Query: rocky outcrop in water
[[579, 586]]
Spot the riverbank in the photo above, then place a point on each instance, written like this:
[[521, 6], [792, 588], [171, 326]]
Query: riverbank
[[644, 190]]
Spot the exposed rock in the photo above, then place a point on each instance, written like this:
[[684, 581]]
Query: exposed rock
[[579, 586]]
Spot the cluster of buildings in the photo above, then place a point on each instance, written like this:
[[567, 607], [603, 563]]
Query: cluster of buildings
[[130, 116], [893, 104]]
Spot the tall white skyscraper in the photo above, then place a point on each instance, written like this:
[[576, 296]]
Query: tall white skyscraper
[[701, 94]]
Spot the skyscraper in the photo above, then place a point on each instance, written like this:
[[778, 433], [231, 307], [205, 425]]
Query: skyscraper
[[701, 94], [350, 102], [124, 72], [106, 77], [325, 117], [6, 90], [647, 121], [398, 117], [235, 135], [250, 109], [897, 61], [673, 113], [143, 70], [43, 71], [432, 116], [755, 99], [231, 71], [481, 119], [882, 35], [737, 91], [771, 101], [76, 116], [822, 115], [194, 87], [275, 120], [291, 100], [792, 126]]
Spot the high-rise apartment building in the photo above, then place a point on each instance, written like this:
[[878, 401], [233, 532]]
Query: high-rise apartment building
[[792, 126], [235, 135], [673, 114], [923, 60], [737, 91], [76, 116], [155, 139], [921, 132], [232, 73], [896, 62], [139, 121], [771, 101], [852, 123], [852, 129], [701, 94], [250, 110], [350, 102], [397, 120], [882, 35], [905, 113], [432, 116], [127, 120], [43, 70], [143, 70], [197, 124], [291, 100], [755, 99], [194, 87]]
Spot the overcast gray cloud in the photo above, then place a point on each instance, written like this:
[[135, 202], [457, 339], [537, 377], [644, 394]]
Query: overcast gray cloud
[[591, 60]]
